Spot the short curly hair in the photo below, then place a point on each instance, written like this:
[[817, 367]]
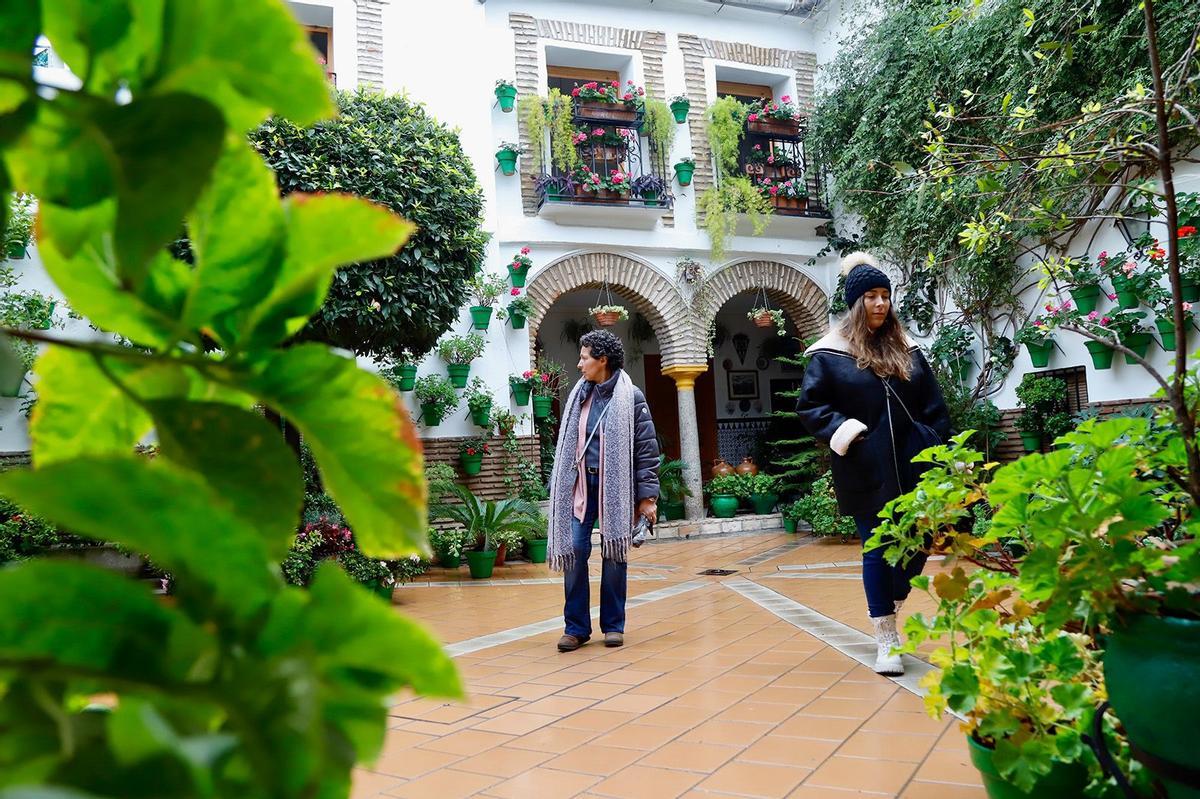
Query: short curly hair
[[604, 344]]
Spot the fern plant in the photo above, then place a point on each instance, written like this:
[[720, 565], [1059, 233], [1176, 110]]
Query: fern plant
[[562, 131], [659, 126], [532, 110], [726, 126]]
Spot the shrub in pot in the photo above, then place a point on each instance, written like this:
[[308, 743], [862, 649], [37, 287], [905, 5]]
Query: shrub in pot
[[671, 488], [764, 492], [506, 93], [1040, 397], [458, 352], [482, 520], [506, 156], [471, 453], [486, 289], [437, 399], [723, 495], [819, 509], [447, 545], [479, 403], [18, 231], [791, 517]]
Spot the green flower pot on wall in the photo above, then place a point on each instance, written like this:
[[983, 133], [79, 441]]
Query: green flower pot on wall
[[482, 416], [472, 464], [431, 414], [724, 506], [518, 276], [1031, 441], [1127, 298], [505, 95], [679, 109], [542, 407], [408, 377], [518, 320], [1190, 291], [1139, 343], [520, 393], [481, 316], [1102, 354], [1039, 354], [683, 173], [458, 372], [507, 160], [1085, 298]]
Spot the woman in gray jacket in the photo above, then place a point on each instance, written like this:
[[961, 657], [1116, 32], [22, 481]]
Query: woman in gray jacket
[[606, 468]]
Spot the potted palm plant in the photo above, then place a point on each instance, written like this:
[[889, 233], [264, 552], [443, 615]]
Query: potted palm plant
[[671, 488], [458, 352], [482, 519]]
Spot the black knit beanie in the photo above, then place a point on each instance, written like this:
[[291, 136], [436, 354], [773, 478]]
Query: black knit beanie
[[862, 277]]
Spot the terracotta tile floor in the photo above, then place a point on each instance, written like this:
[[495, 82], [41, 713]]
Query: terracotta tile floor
[[711, 696]]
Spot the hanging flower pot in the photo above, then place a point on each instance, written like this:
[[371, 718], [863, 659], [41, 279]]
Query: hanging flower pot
[[459, 372], [1190, 291], [763, 319], [482, 415], [1127, 297], [1150, 673], [507, 160], [518, 320], [15, 251], [1139, 343], [518, 275], [1102, 354], [506, 93], [1039, 354], [481, 564], [608, 315], [1166, 331], [431, 414], [1031, 441], [1085, 297], [408, 377], [481, 316], [536, 549], [542, 407], [472, 464], [683, 172], [679, 108], [520, 392], [607, 318]]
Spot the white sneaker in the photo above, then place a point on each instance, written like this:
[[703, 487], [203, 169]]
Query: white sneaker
[[899, 603], [886, 639]]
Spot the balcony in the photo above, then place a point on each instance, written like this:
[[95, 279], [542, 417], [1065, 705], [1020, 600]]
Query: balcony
[[773, 155], [618, 181]]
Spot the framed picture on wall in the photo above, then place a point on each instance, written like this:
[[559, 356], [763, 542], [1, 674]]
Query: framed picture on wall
[[743, 384]]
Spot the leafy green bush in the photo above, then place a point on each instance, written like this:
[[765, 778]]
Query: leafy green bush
[[489, 522], [670, 480], [388, 149], [819, 508], [18, 232], [436, 391], [1043, 400], [461, 350], [727, 484]]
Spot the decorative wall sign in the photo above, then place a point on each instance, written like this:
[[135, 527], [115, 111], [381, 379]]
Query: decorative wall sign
[[743, 385], [741, 343]]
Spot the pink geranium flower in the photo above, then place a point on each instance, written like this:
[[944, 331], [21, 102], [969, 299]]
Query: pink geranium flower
[[575, 92], [525, 251], [516, 292], [786, 98], [753, 117], [1093, 316], [770, 159], [1128, 268], [1112, 296]]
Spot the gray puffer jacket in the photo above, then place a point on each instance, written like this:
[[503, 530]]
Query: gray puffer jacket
[[645, 439]]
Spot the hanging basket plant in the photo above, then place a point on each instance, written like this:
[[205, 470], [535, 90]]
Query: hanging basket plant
[[609, 315], [763, 315]]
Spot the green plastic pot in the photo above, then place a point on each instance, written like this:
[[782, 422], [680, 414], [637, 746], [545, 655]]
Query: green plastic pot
[[383, 591], [1085, 297], [724, 506], [520, 393], [481, 316], [1139, 343], [1063, 779], [431, 414], [1039, 354], [1190, 291], [1031, 441], [518, 320], [1152, 673], [506, 95], [472, 464], [458, 372], [408, 377], [1127, 298], [518, 276], [481, 564], [482, 416], [680, 109], [1102, 354], [789, 525], [683, 173], [651, 198], [542, 407], [671, 511], [507, 160], [536, 549], [448, 561], [15, 252], [1166, 331], [764, 503]]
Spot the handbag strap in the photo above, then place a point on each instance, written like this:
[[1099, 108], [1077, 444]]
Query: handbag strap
[[892, 392], [579, 458]]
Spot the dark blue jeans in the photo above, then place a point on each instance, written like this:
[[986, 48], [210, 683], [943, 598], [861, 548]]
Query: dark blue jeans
[[577, 610], [884, 583]]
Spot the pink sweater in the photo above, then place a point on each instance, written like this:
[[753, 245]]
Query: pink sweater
[[581, 477]]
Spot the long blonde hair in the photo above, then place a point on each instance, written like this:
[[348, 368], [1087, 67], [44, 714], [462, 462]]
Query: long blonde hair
[[884, 351]]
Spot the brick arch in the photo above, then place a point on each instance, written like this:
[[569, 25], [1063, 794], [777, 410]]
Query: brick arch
[[634, 281], [795, 292]]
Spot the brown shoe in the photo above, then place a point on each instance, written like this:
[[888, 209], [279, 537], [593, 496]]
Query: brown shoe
[[569, 643], [614, 639]]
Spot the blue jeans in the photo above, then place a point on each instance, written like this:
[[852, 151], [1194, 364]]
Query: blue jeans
[[577, 610], [884, 583]]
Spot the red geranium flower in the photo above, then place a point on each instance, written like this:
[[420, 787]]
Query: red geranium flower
[[1187, 230]]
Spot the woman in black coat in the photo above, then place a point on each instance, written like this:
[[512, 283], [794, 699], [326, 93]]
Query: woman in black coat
[[870, 395]]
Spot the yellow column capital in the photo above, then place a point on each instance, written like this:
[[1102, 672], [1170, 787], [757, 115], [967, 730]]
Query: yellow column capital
[[685, 375]]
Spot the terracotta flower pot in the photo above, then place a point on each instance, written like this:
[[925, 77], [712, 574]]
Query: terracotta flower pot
[[607, 318], [764, 320], [781, 127], [596, 109]]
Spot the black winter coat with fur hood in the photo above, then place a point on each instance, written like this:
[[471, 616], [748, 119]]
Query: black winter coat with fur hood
[[867, 427]]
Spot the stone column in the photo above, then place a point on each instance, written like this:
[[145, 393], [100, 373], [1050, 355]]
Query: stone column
[[689, 435]]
